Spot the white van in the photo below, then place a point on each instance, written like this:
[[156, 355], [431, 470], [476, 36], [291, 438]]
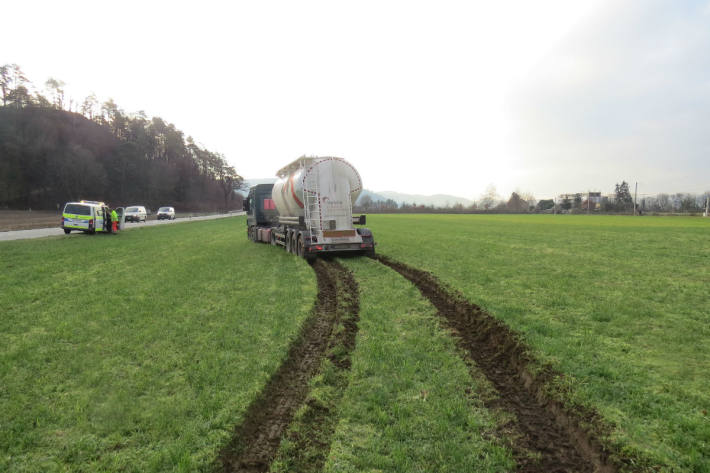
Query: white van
[[87, 216], [136, 213], [167, 213]]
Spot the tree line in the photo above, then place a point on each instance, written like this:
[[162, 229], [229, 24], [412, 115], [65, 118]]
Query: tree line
[[620, 201], [54, 150]]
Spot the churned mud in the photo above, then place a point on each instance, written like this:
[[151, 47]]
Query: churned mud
[[544, 435], [256, 441]]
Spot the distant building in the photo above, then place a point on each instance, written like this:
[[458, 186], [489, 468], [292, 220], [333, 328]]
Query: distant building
[[581, 200], [594, 197]]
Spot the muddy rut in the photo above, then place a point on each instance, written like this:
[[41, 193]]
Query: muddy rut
[[544, 436], [256, 441]]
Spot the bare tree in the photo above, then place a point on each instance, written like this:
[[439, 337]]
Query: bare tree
[[56, 92], [490, 198], [5, 83], [88, 106], [366, 202]]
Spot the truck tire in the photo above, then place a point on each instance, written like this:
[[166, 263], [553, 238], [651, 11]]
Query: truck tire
[[67, 231]]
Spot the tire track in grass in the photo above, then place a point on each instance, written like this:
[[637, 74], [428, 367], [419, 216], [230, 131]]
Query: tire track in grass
[[307, 443], [547, 437], [256, 441]]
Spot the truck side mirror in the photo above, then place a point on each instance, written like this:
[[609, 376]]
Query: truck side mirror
[[245, 205], [361, 220]]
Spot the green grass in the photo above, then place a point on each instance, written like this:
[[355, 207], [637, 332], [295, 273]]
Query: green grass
[[140, 351], [406, 408], [621, 305]]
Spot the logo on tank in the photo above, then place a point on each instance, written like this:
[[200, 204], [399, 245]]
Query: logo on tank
[[333, 203]]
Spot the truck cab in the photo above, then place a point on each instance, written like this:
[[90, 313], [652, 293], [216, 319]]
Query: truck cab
[[261, 211]]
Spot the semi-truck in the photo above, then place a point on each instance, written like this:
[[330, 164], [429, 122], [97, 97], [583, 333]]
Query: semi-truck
[[308, 211]]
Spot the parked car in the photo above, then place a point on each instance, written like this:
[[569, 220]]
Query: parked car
[[166, 213], [88, 216], [136, 213]]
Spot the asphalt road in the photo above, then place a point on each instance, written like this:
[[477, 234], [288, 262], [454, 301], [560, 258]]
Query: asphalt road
[[56, 231]]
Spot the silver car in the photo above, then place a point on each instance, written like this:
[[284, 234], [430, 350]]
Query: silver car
[[136, 213], [166, 213]]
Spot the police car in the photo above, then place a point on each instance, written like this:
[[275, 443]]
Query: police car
[[87, 216]]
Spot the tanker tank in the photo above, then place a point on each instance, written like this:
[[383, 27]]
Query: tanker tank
[[323, 187], [308, 211]]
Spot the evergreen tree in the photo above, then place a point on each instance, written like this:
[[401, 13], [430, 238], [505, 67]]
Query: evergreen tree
[[624, 201]]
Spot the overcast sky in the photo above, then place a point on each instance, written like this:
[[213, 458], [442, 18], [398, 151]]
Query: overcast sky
[[422, 97]]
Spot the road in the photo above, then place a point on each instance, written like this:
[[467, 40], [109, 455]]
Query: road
[[56, 231]]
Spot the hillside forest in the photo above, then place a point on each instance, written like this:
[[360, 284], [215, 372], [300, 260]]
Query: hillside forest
[[54, 150]]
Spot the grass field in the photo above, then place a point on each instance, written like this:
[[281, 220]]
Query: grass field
[[139, 351], [620, 305], [142, 351]]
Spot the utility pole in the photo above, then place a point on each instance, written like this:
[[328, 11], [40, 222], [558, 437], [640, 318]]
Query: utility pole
[[588, 194], [636, 191], [707, 206]]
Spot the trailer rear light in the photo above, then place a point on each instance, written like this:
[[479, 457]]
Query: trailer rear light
[[319, 248], [365, 245]]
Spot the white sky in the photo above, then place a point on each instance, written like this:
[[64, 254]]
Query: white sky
[[414, 94]]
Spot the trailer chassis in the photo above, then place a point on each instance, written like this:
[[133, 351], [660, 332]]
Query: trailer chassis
[[298, 240]]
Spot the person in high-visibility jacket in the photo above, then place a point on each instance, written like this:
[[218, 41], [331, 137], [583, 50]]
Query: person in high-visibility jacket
[[114, 221]]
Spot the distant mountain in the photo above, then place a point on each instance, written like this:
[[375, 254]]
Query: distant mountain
[[437, 200], [375, 197]]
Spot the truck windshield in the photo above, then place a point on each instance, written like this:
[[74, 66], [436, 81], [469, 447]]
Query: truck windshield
[[77, 209]]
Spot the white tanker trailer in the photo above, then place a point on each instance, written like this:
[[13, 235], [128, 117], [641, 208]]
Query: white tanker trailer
[[308, 210]]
